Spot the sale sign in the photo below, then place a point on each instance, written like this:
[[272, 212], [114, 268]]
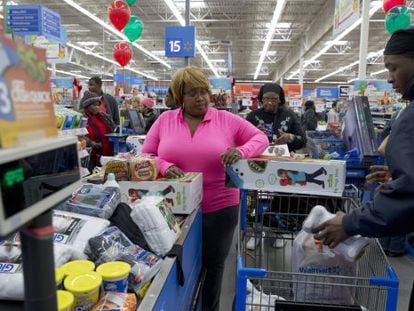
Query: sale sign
[[26, 110]]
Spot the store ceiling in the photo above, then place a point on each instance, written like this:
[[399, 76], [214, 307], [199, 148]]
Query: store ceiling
[[239, 26]]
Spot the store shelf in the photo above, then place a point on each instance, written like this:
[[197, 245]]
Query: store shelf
[[73, 132]]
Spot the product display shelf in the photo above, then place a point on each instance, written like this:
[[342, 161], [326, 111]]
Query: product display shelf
[[165, 293]]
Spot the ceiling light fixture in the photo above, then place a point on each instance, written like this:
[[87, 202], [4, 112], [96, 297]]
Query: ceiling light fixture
[[377, 53], [88, 43], [337, 71], [375, 6], [114, 31], [200, 49], [378, 72], [87, 52], [352, 80], [276, 15], [68, 73]]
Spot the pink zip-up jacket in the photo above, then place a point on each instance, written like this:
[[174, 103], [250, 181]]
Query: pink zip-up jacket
[[171, 141]]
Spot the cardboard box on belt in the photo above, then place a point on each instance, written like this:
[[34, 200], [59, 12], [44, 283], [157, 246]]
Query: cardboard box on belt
[[183, 194]]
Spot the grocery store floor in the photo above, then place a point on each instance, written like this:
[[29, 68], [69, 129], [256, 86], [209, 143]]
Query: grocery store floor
[[404, 267]]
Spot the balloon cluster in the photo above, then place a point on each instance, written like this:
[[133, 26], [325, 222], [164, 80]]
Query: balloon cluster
[[398, 16], [119, 14]]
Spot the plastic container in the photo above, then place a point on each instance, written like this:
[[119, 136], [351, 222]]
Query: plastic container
[[85, 288], [59, 275], [115, 276], [352, 248], [77, 266], [65, 300], [111, 182]]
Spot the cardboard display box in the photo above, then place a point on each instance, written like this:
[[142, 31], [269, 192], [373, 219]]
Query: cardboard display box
[[314, 177], [183, 195]]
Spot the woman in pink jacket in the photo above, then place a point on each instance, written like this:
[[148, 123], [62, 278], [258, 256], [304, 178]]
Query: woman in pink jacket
[[198, 138]]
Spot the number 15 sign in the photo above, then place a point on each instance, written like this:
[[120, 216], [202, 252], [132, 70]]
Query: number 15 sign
[[180, 41]]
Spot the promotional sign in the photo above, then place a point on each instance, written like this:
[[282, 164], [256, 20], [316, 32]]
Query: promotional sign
[[345, 91], [327, 92], [375, 90], [26, 110], [66, 83], [26, 20], [128, 79], [308, 93], [56, 53], [292, 90], [347, 12], [229, 61], [180, 41], [220, 83]]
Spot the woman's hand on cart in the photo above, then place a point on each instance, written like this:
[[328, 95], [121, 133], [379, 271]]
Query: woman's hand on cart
[[174, 172], [331, 232], [230, 157], [378, 174]]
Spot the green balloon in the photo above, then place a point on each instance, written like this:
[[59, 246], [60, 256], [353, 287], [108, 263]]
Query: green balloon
[[131, 2], [133, 30], [397, 18]]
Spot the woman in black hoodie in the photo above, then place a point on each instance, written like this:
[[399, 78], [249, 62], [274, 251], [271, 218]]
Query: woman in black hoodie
[[275, 119]]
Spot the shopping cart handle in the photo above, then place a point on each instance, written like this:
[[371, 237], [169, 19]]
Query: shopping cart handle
[[249, 272]]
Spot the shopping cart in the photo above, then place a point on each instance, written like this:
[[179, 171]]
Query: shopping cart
[[264, 271]]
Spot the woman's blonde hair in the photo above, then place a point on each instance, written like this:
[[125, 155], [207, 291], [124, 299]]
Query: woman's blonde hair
[[190, 76]]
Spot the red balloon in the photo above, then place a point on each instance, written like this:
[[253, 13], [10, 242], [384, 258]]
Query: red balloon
[[389, 4], [119, 14], [122, 53]]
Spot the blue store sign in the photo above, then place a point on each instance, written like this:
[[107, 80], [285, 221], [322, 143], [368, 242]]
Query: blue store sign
[[180, 41], [27, 20], [327, 92], [128, 79]]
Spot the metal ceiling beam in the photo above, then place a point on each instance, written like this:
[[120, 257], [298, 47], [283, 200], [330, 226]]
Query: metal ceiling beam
[[311, 36]]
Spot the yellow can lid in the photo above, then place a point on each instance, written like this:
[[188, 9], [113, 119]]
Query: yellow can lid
[[77, 266], [114, 270], [59, 275], [65, 300], [83, 282]]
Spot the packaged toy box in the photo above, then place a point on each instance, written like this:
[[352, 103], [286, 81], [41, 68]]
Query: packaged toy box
[[183, 194], [314, 177]]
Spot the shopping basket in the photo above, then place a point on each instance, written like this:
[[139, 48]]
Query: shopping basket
[[265, 271]]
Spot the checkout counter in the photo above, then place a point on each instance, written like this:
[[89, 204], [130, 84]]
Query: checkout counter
[[165, 292]]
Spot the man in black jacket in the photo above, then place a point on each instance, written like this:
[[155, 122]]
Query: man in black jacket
[[278, 122], [108, 105], [393, 210]]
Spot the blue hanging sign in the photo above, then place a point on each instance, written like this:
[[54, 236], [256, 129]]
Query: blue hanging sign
[[128, 79], [27, 20], [180, 41], [327, 92]]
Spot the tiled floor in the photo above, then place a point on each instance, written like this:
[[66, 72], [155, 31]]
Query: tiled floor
[[404, 267]]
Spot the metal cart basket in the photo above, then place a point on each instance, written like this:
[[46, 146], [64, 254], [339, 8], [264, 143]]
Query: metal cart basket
[[264, 278]]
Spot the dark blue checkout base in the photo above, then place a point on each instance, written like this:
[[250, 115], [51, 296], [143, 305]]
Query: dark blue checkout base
[[165, 294]]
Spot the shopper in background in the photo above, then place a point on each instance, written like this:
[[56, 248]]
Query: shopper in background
[[99, 124], [393, 210], [278, 122], [198, 138], [333, 114], [309, 119], [146, 108], [108, 103], [169, 100]]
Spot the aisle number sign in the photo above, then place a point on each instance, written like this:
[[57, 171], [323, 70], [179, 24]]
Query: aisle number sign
[[26, 110], [180, 41], [25, 20]]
